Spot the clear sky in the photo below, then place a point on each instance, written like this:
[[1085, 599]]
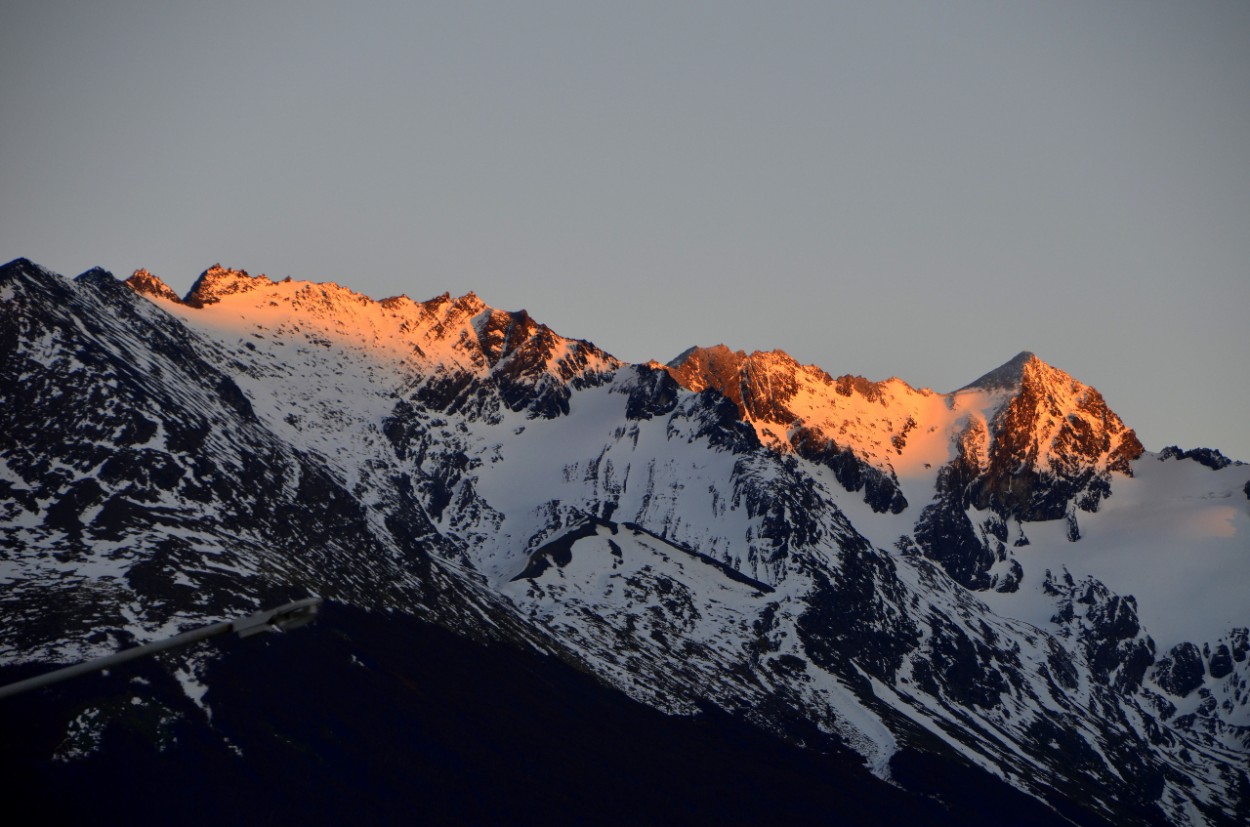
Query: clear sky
[[919, 189]]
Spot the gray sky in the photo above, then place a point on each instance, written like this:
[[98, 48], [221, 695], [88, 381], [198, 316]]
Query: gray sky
[[920, 189]]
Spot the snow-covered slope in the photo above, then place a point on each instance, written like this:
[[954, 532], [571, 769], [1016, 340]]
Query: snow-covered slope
[[1000, 576]]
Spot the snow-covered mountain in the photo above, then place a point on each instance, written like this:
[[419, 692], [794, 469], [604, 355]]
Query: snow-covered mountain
[[1001, 578]]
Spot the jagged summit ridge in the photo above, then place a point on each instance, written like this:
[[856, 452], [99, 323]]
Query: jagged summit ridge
[[859, 427], [446, 351], [867, 433], [217, 282], [1013, 433], [844, 424]]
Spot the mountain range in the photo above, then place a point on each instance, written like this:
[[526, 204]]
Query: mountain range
[[563, 586]]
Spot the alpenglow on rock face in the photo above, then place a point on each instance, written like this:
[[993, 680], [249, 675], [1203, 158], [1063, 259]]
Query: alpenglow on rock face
[[988, 580]]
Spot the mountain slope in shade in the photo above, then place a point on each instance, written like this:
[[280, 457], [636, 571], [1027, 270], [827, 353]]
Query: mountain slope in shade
[[359, 726], [1007, 376], [905, 572]]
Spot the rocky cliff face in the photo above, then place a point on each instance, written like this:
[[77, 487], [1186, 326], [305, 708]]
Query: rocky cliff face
[[1055, 444], [1043, 446], [796, 407], [836, 561]]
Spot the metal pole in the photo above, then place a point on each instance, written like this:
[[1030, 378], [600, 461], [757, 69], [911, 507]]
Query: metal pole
[[280, 619]]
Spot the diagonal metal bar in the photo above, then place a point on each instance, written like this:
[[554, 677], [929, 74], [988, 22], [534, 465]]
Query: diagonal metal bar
[[288, 616]]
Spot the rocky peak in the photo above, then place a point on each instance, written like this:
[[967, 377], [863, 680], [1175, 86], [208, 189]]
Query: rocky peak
[[1060, 416], [432, 305], [1006, 376], [715, 367], [801, 408], [1036, 445], [15, 268], [468, 305], [218, 281], [96, 276], [501, 332], [761, 384], [25, 270], [145, 284], [482, 352], [400, 303], [1053, 440], [448, 315]]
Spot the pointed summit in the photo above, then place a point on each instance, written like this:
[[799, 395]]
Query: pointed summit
[[1054, 442], [96, 275], [716, 366], [145, 284], [218, 281], [699, 352], [25, 270], [1005, 376], [16, 265]]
